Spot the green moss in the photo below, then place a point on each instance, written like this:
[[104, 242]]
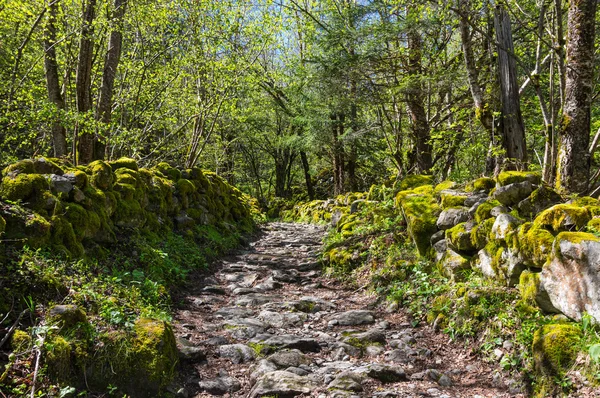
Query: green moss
[[511, 177], [24, 187], [444, 185], [125, 163], [459, 238], [128, 176], [58, 357], [81, 178], [534, 244], [451, 200], [129, 213], [413, 181], [185, 186], [484, 210], [101, 175], [585, 201], [21, 167], [172, 173], [20, 341], [577, 237], [421, 210], [529, 287], [485, 184], [85, 223], [481, 232], [559, 217], [154, 352], [64, 239], [593, 226], [555, 348]]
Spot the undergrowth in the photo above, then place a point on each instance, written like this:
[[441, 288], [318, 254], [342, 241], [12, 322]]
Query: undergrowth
[[119, 284]]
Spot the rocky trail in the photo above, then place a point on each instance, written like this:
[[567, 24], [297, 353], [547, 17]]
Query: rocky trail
[[268, 323]]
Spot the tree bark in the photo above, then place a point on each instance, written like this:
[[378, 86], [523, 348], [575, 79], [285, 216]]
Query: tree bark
[[573, 168], [307, 177], [83, 82], [513, 130], [415, 103], [59, 134], [337, 129], [111, 63]]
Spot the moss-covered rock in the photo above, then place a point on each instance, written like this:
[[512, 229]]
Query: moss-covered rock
[[484, 210], [101, 175], [444, 185], [555, 348], [534, 243], [421, 211], [154, 353], [452, 199], [540, 199], [454, 265], [511, 177], [20, 341], [480, 233], [533, 293], [563, 217], [484, 184], [26, 188], [459, 237], [66, 316], [413, 181], [124, 163], [172, 173]]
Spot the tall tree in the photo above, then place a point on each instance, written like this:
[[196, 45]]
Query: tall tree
[[111, 63], [85, 147], [573, 168], [513, 129], [59, 134]]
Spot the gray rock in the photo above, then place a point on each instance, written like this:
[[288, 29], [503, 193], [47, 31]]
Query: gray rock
[[280, 320], [347, 381], [440, 248], [385, 373], [268, 285], [237, 353], [184, 222], [78, 195], [572, 275], [373, 350], [439, 377], [282, 384], [67, 315], [233, 312], [512, 194], [504, 224], [403, 354], [214, 290], [256, 299], [454, 265], [451, 217], [483, 262], [352, 317], [262, 367], [364, 338], [304, 344], [60, 184], [496, 211], [289, 358], [475, 198], [189, 352], [438, 236], [220, 385], [540, 199], [297, 371]]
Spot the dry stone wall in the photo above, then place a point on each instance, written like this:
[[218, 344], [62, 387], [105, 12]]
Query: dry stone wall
[[50, 203]]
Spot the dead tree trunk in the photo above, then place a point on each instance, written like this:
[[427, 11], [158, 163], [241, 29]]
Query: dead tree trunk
[[307, 177], [573, 168], [513, 130], [59, 134]]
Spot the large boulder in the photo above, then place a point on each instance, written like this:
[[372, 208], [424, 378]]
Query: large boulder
[[572, 275], [281, 383]]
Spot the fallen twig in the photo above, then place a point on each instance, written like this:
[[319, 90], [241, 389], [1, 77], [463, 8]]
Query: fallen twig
[[12, 328]]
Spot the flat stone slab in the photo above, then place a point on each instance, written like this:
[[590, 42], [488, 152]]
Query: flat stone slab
[[304, 344], [281, 383], [352, 318]]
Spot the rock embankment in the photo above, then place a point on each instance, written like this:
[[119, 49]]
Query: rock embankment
[[270, 324]]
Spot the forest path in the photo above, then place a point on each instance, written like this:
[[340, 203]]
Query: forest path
[[268, 323]]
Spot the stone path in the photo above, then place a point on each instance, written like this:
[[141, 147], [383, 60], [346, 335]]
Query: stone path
[[268, 323]]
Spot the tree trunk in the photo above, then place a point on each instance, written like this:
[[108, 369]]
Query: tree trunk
[[307, 177], [111, 63], [483, 112], [337, 129], [573, 168], [415, 103], [59, 134], [85, 150], [513, 130]]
